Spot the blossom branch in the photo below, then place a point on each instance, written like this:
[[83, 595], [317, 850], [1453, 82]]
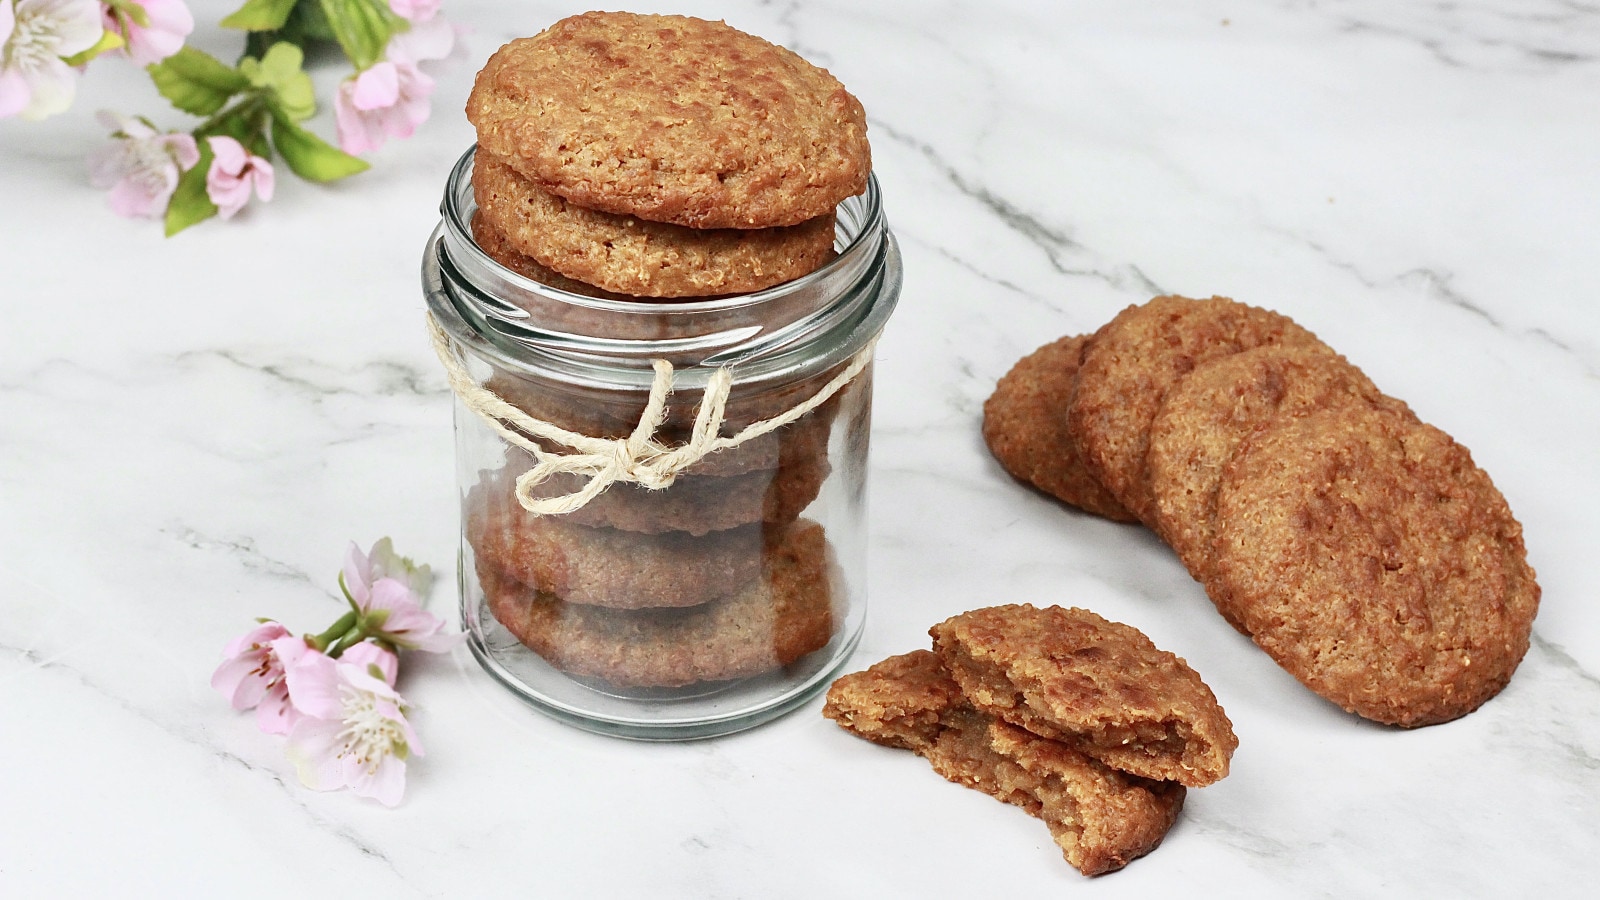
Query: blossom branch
[[252, 111], [333, 694]]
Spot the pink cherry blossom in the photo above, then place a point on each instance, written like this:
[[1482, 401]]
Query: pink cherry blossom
[[352, 732], [141, 165], [392, 613], [35, 35], [414, 10], [390, 98], [374, 660], [380, 587], [252, 674], [170, 23], [362, 569], [234, 172]]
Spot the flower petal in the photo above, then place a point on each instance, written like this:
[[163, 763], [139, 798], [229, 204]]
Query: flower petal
[[313, 682], [367, 654], [429, 40], [313, 747], [385, 782], [357, 571], [51, 88], [14, 93], [376, 88]]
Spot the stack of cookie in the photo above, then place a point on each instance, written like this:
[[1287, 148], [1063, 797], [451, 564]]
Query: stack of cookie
[[661, 156], [1358, 546], [656, 159], [1080, 721]]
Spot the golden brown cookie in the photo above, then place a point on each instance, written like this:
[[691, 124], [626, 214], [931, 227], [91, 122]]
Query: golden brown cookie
[[1101, 818], [899, 702], [1129, 364], [1206, 413], [493, 243], [631, 256], [606, 566], [672, 119], [1100, 687], [1025, 426], [784, 614], [1374, 561]]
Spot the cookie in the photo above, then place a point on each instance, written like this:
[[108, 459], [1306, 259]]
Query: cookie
[[1101, 818], [899, 702], [494, 244], [1025, 427], [772, 622], [1129, 364], [1101, 687], [672, 119], [631, 256], [606, 566], [1375, 562], [1206, 413]]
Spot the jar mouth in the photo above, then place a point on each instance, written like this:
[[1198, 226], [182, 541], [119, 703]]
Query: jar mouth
[[518, 319]]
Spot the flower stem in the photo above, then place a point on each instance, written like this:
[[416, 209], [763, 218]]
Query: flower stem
[[340, 630]]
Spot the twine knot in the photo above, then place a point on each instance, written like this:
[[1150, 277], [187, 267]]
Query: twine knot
[[636, 459]]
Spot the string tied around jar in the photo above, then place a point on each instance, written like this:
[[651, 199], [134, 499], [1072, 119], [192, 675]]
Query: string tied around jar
[[638, 458]]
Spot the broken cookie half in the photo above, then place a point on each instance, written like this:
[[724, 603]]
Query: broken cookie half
[[1080, 721], [1100, 817], [1101, 687]]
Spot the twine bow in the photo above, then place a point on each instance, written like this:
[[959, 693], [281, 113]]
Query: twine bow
[[636, 459]]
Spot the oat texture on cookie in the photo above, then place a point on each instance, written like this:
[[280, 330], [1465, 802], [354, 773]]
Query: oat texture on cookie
[[1079, 721], [1101, 818], [672, 119], [1359, 547]]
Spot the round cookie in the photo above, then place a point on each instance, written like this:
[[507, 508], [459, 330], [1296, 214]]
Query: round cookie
[[783, 615], [1205, 414], [1025, 426], [1098, 686], [1367, 554], [631, 256], [672, 119], [1129, 364], [609, 567], [492, 242]]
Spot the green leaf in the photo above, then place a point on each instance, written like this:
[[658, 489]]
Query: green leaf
[[279, 72], [362, 28], [314, 22], [190, 204], [260, 15], [195, 81], [109, 40], [311, 157]]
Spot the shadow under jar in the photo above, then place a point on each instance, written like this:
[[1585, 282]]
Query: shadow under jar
[[661, 611]]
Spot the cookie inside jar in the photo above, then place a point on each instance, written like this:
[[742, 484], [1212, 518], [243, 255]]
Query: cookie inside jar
[[663, 386]]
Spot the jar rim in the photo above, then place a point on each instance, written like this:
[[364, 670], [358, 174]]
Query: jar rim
[[457, 207], [835, 309]]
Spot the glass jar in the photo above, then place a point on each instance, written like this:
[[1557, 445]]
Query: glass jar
[[663, 503]]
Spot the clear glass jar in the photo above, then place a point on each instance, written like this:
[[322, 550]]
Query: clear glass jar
[[661, 611]]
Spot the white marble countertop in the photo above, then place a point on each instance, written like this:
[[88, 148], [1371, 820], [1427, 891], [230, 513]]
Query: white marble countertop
[[192, 429]]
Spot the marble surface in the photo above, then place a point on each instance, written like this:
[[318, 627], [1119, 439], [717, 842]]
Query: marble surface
[[192, 429]]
